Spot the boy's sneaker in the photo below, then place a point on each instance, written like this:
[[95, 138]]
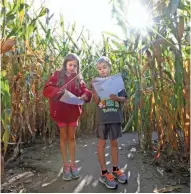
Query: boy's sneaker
[[108, 180], [74, 171], [67, 176], [121, 177]]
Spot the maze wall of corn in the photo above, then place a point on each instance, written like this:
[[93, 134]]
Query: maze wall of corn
[[155, 68]]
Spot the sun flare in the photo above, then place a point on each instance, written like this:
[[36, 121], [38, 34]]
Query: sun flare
[[137, 16]]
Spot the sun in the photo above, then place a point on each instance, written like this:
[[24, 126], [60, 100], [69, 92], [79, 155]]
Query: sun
[[137, 16]]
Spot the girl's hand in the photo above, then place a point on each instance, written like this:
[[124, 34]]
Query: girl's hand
[[61, 91], [114, 97], [83, 97], [59, 94]]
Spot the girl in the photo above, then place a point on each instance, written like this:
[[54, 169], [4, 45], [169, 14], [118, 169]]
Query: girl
[[109, 117], [67, 115]]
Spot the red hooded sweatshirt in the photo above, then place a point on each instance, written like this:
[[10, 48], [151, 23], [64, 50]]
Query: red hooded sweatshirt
[[60, 111]]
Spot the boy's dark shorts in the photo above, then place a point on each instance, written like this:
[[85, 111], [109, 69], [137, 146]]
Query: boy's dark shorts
[[111, 131]]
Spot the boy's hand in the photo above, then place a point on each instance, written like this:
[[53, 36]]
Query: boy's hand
[[95, 94], [114, 97], [91, 83], [95, 97], [117, 98], [83, 97]]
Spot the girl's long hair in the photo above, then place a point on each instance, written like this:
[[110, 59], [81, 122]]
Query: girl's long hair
[[69, 57]]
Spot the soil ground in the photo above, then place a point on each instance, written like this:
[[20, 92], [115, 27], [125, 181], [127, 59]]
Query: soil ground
[[39, 170]]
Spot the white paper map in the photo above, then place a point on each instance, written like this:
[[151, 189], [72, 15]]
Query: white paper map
[[70, 98], [107, 86]]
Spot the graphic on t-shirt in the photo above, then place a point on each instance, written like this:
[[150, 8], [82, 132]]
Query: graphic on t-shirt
[[109, 105]]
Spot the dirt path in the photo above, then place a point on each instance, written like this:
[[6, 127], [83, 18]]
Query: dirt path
[[43, 165]]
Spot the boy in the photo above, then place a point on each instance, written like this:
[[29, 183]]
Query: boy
[[108, 118]]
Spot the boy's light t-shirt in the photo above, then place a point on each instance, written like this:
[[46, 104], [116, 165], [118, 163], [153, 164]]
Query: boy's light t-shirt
[[108, 111]]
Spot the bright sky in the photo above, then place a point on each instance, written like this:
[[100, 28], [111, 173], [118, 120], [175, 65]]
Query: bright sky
[[95, 15]]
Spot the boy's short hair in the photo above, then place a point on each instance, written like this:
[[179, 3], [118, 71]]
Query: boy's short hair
[[104, 59]]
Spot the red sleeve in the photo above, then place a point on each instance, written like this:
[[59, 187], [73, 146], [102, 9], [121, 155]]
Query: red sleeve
[[85, 91], [51, 89]]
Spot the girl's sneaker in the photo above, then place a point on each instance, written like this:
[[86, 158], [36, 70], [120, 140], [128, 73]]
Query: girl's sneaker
[[121, 177], [108, 180], [74, 171], [67, 176]]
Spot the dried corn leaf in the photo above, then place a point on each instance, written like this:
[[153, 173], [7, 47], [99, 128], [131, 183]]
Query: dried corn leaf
[[7, 45], [180, 28], [168, 189]]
